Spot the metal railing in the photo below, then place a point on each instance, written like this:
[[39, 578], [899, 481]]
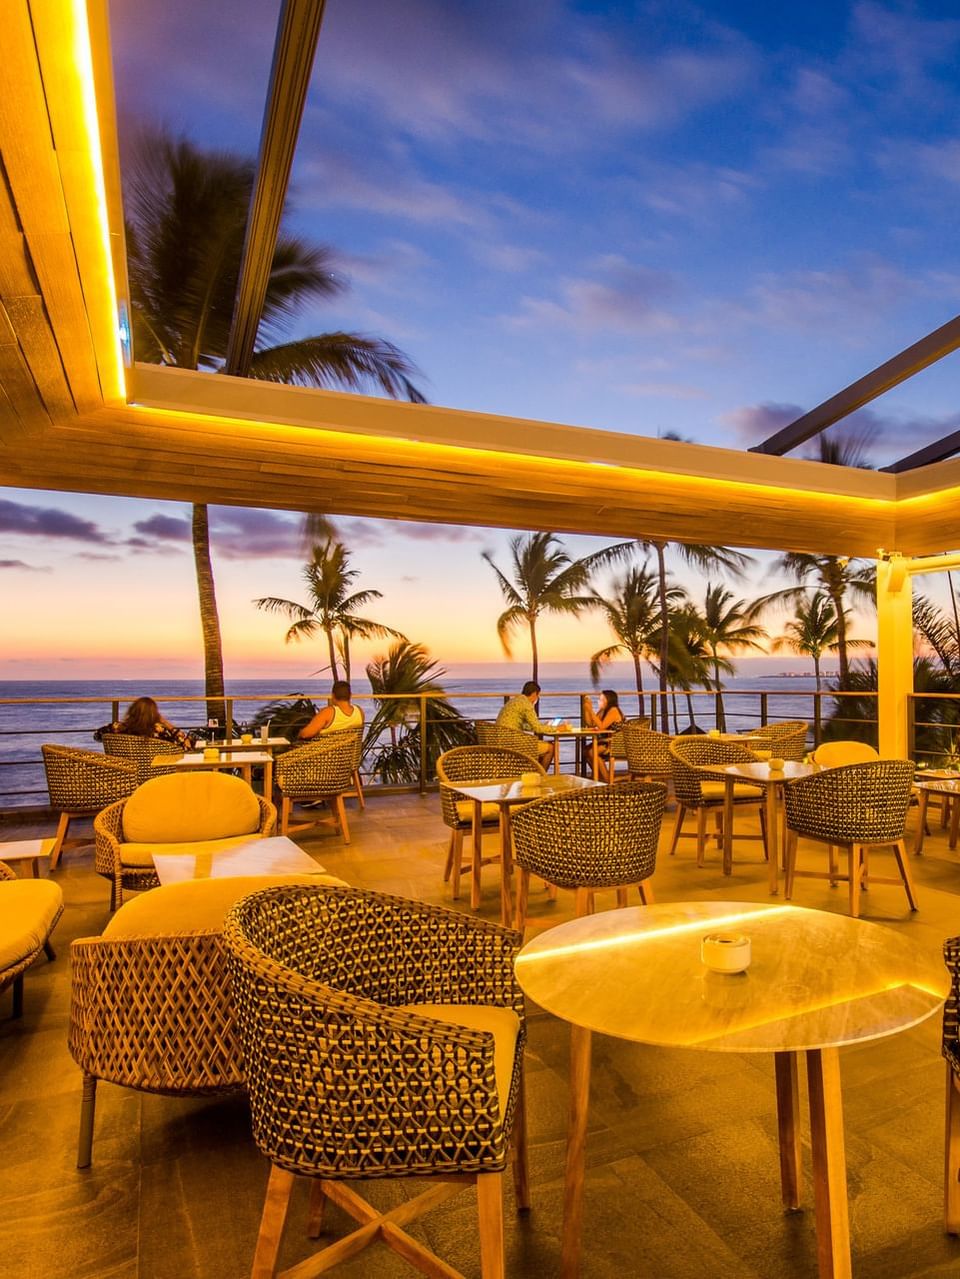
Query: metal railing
[[26, 723], [933, 727]]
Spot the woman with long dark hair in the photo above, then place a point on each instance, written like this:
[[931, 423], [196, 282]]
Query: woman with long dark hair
[[143, 719]]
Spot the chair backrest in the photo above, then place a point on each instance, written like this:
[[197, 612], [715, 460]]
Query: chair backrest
[[592, 838], [142, 750], [787, 740], [186, 807], [508, 739], [616, 743], [343, 1080], [84, 781], [690, 754], [837, 754], [324, 766], [474, 764], [647, 751], [858, 804]]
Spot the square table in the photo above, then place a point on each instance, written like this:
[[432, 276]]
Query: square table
[[771, 781], [947, 785], [274, 856], [27, 850], [242, 759], [635, 973], [507, 795], [578, 735]]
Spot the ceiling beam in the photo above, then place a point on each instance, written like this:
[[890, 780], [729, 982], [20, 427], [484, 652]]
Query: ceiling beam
[[921, 355], [938, 451], [298, 30]]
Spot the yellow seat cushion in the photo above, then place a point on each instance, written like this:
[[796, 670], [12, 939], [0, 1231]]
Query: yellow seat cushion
[[194, 906], [741, 790], [143, 856], [502, 1023], [28, 908], [190, 806], [489, 812]]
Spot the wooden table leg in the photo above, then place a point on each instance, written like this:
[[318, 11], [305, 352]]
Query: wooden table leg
[[506, 867], [556, 753], [728, 785], [923, 799], [477, 832], [788, 1128], [246, 772], [268, 780], [773, 837], [580, 1049], [829, 1163]]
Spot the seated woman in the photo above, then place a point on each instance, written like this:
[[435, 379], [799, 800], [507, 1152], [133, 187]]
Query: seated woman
[[143, 719], [607, 715], [339, 714]]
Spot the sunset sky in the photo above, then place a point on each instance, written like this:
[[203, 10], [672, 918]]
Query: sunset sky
[[642, 217]]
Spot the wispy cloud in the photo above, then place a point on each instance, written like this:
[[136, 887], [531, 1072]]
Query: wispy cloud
[[47, 521], [620, 295], [27, 568]]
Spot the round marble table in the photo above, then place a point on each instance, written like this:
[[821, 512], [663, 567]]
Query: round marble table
[[817, 981]]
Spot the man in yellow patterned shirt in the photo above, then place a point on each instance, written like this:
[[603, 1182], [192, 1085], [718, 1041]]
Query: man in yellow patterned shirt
[[520, 715]]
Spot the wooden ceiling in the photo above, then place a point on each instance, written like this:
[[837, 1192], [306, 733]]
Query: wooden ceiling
[[68, 423]]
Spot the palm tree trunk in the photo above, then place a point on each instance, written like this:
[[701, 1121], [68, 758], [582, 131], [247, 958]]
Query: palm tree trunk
[[721, 717], [638, 672], [842, 658], [332, 647], [533, 648], [690, 707], [664, 632], [209, 617], [816, 669], [956, 615]]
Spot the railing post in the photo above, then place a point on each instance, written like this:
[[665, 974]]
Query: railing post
[[817, 718], [115, 712], [228, 718], [912, 727], [763, 710], [423, 744]]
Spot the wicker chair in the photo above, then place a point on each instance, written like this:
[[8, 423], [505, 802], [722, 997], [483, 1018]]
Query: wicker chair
[[647, 752], [381, 1038], [787, 740], [142, 750], [702, 794], [80, 784], [472, 765], [852, 809], [839, 754], [588, 840], [508, 739], [186, 812], [319, 771], [150, 1005], [951, 1051], [29, 910]]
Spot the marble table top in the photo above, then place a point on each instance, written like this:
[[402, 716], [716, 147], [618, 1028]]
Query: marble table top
[[241, 757], [517, 792], [816, 979], [276, 855], [759, 771]]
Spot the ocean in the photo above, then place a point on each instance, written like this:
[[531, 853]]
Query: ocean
[[26, 722]]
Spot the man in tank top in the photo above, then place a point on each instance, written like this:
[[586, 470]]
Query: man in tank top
[[338, 715]]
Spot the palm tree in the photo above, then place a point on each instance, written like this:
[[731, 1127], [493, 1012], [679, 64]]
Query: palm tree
[[409, 674], [333, 605], [633, 614], [545, 580], [727, 624], [187, 214], [814, 631], [690, 662], [699, 556]]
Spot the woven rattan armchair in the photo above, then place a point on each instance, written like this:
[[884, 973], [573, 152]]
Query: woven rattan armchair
[[80, 784], [142, 751], [853, 810], [647, 752], [29, 910], [381, 1038], [951, 1051], [129, 863], [787, 740], [319, 771], [702, 793], [508, 739], [588, 840], [473, 765]]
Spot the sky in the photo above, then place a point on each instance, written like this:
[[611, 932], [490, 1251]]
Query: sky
[[642, 217]]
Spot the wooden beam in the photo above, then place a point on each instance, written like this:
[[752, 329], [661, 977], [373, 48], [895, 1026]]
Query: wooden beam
[[921, 355], [938, 451], [298, 30]]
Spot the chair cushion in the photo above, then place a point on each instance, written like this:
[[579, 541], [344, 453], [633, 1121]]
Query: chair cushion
[[182, 806], [502, 1023], [28, 908], [741, 790], [489, 812], [196, 905], [143, 855]]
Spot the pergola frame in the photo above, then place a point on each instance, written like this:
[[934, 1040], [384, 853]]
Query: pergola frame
[[73, 417]]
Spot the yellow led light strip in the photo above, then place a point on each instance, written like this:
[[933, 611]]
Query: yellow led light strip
[[83, 63]]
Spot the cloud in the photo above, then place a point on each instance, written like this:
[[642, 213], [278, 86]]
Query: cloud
[[28, 568], [881, 437], [620, 295], [361, 534], [843, 300], [48, 521], [755, 422], [95, 557], [664, 390], [165, 528]]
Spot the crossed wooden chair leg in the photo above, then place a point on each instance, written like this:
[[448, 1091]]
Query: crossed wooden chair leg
[[584, 903], [339, 817], [858, 876], [60, 841], [702, 836]]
